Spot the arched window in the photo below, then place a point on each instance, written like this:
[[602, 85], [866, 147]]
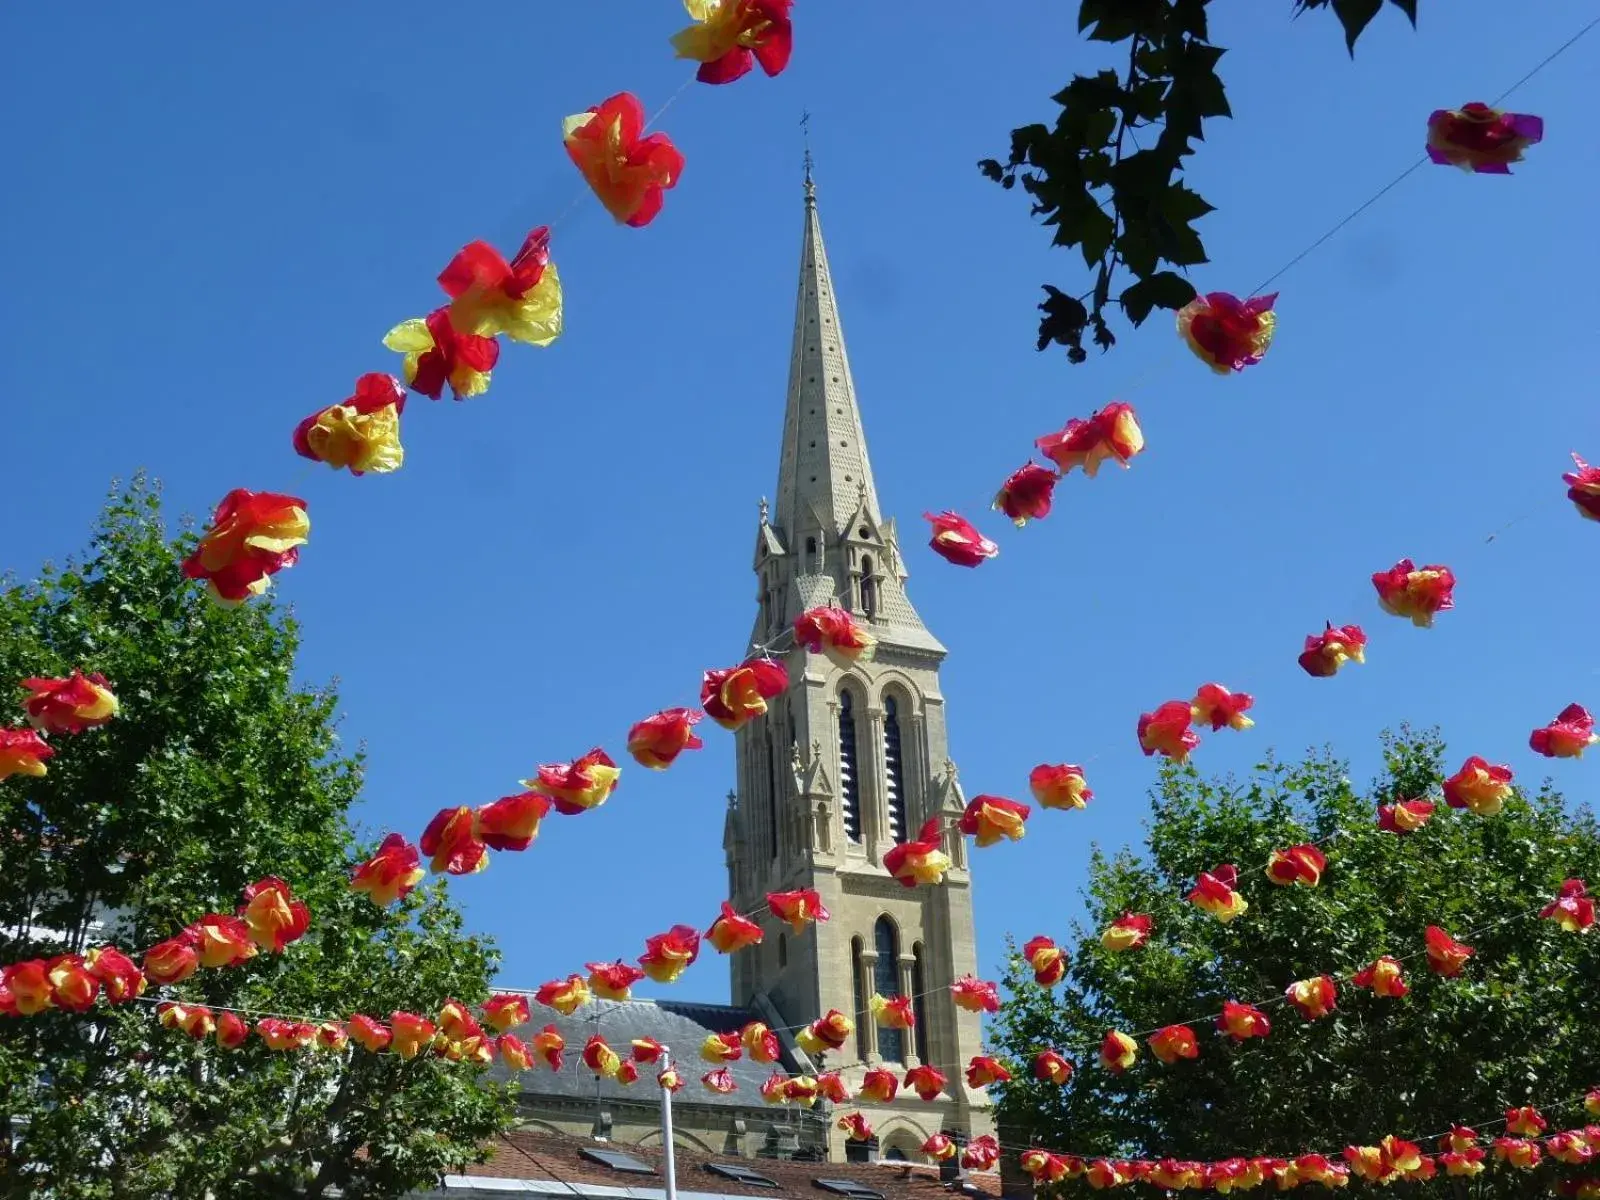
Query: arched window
[[869, 588], [849, 779], [772, 794], [894, 783], [919, 989], [886, 982], [813, 561], [858, 986]]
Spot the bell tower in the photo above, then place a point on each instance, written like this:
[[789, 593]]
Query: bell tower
[[849, 761]]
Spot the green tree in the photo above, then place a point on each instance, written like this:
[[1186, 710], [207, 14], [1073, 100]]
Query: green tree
[[1119, 196], [219, 770], [1516, 1027]]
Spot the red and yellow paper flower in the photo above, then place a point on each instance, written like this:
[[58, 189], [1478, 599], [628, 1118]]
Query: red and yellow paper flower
[[975, 995], [832, 1088], [1583, 488], [1568, 736], [927, 1082], [1167, 731], [196, 1020], [1027, 493], [372, 1036], [1446, 956], [833, 632], [667, 955], [1048, 960], [720, 1048], [511, 822], [984, 1069], [721, 1081], [274, 916], [359, 434], [760, 1043], [579, 785], [73, 986], [656, 741], [879, 1085], [940, 1147], [1301, 865], [1384, 977], [253, 536], [1416, 593], [391, 872], [1243, 1021], [628, 171], [892, 1012], [1314, 998], [69, 705], [23, 752], [1517, 1152], [612, 980], [456, 1022], [981, 1153], [513, 1052], [1103, 1173], [1329, 650], [830, 1031], [1128, 932], [600, 1058], [1215, 892], [670, 1080], [1226, 333], [332, 1035], [1479, 787], [1174, 1042], [988, 819], [1059, 785], [730, 931], [221, 941], [506, 1012], [776, 1089], [1044, 1168], [956, 540], [119, 975], [25, 989], [802, 1090], [729, 36], [1216, 706], [645, 1050], [1118, 1052], [1112, 433], [627, 1073], [1481, 139], [1571, 1146], [920, 861], [232, 1032], [856, 1127], [1051, 1066], [1572, 909], [1525, 1122], [437, 353], [520, 298], [549, 1045], [734, 696], [566, 996], [1404, 816], [171, 961], [283, 1035], [797, 909], [452, 844]]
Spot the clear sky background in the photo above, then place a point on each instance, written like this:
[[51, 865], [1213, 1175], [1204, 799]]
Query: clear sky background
[[215, 212]]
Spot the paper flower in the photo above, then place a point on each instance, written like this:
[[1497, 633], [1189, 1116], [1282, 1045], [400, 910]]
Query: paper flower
[[566, 996], [1128, 932], [879, 1085], [1571, 1146], [253, 536], [372, 1036], [1103, 1173], [549, 1045], [1462, 1163], [984, 1070], [1404, 816], [669, 1080], [628, 171], [776, 1089], [1329, 650], [1298, 864], [940, 1147], [1118, 1052], [600, 1058], [733, 696], [667, 955], [1568, 736], [1243, 1021], [720, 1048], [1059, 786], [892, 1012], [801, 1090], [975, 995], [1481, 139], [919, 861], [1315, 998], [927, 1082], [1026, 494], [359, 434], [1572, 909], [1384, 977], [1214, 892], [489, 296], [612, 980], [390, 874], [232, 1032], [513, 1052], [69, 705], [579, 785], [1479, 787], [798, 908], [830, 1031], [855, 1126], [436, 353], [1517, 1152], [1583, 488], [1226, 333], [645, 1050], [119, 976], [171, 961], [274, 916], [1216, 706], [73, 986], [1446, 956], [451, 842], [833, 632], [730, 931], [196, 1020], [284, 1035], [25, 988], [729, 36], [627, 1073], [720, 1081], [1048, 960], [511, 822], [1174, 1042], [988, 819], [981, 1153], [23, 752], [1416, 593], [759, 1042], [1044, 1168], [1112, 433], [1166, 731], [1525, 1122], [221, 941], [656, 741], [331, 1035], [832, 1088], [956, 541]]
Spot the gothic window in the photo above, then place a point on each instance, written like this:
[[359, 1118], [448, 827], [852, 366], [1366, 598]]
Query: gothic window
[[919, 989], [849, 780], [811, 563], [772, 794], [885, 981], [869, 588], [858, 986], [894, 790]]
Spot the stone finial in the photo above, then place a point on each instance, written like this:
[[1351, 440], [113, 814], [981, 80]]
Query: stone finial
[[763, 510]]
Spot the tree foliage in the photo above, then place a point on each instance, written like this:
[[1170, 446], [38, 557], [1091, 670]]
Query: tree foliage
[[1118, 197], [1517, 1027], [219, 770]]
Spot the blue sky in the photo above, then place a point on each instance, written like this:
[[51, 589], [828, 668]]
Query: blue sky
[[214, 213]]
